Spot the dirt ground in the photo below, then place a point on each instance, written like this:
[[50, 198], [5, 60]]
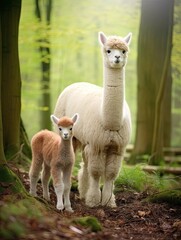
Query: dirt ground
[[134, 218]]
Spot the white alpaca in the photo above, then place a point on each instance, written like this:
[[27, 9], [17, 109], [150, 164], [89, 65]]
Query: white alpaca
[[55, 153], [104, 128]]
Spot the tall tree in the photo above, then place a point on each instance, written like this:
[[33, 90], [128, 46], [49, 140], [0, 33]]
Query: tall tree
[[176, 69], [154, 79], [10, 75], [2, 156], [41, 9], [10, 89]]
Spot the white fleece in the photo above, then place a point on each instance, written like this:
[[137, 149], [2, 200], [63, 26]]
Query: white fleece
[[104, 128]]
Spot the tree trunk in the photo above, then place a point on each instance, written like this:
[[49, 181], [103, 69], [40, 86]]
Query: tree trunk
[[10, 93], [24, 140], [45, 53], [10, 75], [167, 110], [2, 156], [176, 69], [160, 108], [154, 46]]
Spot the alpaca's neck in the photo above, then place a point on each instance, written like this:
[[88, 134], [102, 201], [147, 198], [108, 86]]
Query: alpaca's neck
[[66, 147], [113, 98]]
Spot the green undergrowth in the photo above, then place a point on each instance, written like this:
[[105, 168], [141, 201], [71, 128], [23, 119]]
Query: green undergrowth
[[89, 222], [133, 178], [16, 214], [172, 197]]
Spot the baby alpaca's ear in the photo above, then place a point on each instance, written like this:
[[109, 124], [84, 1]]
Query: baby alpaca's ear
[[75, 117], [54, 119], [102, 38]]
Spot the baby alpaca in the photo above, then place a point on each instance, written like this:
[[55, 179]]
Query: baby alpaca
[[55, 153]]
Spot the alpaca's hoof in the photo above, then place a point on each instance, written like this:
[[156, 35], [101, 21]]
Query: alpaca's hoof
[[69, 209], [60, 207], [109, 202], [93, 200]]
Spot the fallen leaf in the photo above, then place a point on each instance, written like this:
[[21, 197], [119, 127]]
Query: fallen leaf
[[177, 224]]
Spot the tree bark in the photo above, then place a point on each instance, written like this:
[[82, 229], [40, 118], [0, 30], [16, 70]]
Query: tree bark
[[154, 45], [10, 93], [160, 112], [10, 75], [2, 156], [24, 140], [45, 53]]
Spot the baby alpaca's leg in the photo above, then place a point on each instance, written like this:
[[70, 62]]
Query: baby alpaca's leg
[[45, 176], [67, 185], [34, 172], [56, 174]]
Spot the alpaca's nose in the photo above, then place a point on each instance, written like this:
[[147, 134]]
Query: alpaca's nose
[[65, 134], [117, 56]]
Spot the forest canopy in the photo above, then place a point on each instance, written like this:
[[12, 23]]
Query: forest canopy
[[75, 52]]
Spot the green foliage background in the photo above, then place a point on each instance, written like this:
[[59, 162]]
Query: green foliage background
[[75, 52]]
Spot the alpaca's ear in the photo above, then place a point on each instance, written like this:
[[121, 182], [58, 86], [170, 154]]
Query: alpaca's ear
[[127, 39], [102, 38], [75, 118], [54, 119]]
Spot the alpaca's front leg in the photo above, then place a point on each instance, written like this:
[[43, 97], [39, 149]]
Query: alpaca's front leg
[[58, 186], [67, 185], [113, 163], [93, 196], [108, 198], [59, 189], [83, 176]]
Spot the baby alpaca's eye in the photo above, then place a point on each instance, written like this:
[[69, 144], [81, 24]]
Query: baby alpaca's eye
[[108, 51], [60, 129], [123, 51], [70, 129]]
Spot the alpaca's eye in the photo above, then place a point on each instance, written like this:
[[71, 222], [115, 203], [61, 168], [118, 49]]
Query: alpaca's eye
[[123, 51], [60, 129], [70, 129], [108, 51]]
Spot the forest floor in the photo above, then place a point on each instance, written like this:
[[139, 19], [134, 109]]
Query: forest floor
[[134, 218]]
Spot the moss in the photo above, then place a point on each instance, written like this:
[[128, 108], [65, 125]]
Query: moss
[[90, 222], [10, 183], [13, 230], [14, 215], [21, 207], [172, 197]]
